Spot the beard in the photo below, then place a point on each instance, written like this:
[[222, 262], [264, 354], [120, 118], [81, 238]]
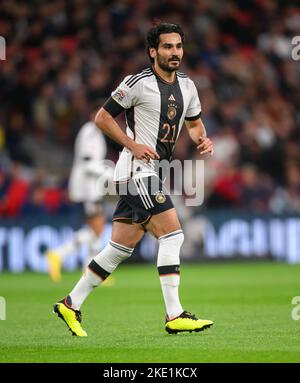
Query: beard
[[165, 64]]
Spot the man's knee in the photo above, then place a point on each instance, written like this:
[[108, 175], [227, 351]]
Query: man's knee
[[163, 223], [126, 234], [128, 242]]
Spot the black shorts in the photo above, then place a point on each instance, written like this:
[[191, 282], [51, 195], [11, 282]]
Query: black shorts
[[141, 198]]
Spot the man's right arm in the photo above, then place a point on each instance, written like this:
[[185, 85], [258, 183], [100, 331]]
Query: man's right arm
[[108, 125]]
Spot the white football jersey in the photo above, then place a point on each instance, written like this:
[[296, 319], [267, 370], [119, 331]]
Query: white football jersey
[[155, 112], [89, 153]]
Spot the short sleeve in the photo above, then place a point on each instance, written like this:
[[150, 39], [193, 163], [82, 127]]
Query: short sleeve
[[124, 94], [194, 109]]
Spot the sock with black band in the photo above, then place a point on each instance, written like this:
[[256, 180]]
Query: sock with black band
[[98, 270], [168, 265]]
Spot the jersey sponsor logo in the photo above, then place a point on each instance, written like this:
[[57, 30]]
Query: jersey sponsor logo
[[118, 95], [160, 197]]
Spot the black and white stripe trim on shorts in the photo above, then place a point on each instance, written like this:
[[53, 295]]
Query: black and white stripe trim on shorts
[[143, 193]]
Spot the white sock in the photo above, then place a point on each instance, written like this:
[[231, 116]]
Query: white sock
[[168, 264], [83, 288], [98, 270], [169, 286]]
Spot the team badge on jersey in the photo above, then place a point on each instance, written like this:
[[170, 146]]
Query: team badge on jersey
[[171, 112], [118, 95], [160, 197]]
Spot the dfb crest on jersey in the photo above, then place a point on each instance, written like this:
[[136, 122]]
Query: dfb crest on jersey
[[171, 111], [160, 197]]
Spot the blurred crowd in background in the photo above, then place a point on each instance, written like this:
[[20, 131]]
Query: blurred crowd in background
[[64, 58]]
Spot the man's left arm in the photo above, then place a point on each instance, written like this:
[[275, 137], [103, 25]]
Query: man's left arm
[[197, 132]]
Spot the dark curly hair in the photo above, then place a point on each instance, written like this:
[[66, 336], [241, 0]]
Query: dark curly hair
[[152, 39]]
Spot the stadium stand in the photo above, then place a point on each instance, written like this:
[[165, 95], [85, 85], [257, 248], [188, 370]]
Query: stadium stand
[[64, 57]]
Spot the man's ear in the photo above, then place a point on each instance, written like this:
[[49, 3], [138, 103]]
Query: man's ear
[[152, 52]]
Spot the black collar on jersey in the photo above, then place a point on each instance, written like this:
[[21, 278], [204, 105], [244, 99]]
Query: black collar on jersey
[[161, 79]]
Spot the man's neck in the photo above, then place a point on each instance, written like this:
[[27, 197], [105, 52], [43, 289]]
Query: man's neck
[[165, 75]]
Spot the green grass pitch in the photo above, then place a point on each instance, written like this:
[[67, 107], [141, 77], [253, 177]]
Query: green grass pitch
[[250, 303]]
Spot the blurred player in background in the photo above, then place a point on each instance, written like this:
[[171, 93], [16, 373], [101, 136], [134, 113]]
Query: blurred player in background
[[157, 102], [84, 188]]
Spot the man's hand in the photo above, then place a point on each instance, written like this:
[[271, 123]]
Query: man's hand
[[205, 146], [144, 152]]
